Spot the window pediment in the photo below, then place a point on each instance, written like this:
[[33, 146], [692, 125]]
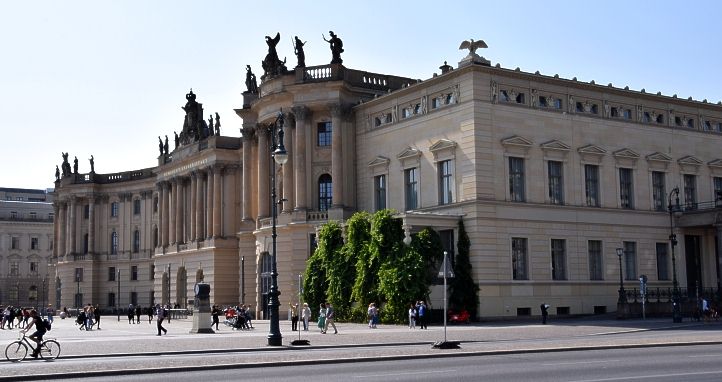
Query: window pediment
[[592, 153], [409, 157], [517, 141], [690, 161], [659, 157], [443, 149], [626, 154], [715, 167], [379, 161]]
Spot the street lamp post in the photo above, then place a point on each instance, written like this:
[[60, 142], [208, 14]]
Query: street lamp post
[[622, 293], [280, 156], [676, 308], [117, 300], [45, 295]]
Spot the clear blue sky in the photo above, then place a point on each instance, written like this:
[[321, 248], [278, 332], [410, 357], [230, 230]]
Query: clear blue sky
[[108, 77]]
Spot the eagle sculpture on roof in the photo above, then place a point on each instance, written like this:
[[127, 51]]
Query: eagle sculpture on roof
[[472, 45]]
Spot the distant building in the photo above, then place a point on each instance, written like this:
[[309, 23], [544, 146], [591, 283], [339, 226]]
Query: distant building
[[550, 176], [26, 247]]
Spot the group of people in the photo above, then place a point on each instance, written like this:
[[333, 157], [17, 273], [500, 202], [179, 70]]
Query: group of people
[[134, 313], [417, 315], [305, 316], [326, 317], [88, 317], [237, 317]]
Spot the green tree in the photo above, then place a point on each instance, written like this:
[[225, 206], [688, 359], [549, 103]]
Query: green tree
[[463, 290], [341, 266], [315, 283]]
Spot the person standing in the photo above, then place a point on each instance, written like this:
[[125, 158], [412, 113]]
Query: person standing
[[131, 314], [412, 316], [150, 314], [322, 317], [96, 313], [544, 312], [330, 315], [138, 311], [214, 313], [160, 314], [305, 316], [371, 313], [294, 316], [50, 312], [421, 309]]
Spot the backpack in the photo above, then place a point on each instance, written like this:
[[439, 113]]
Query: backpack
[[47, 324]]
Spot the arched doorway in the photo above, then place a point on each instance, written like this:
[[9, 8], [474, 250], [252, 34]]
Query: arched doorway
[[265, 282]]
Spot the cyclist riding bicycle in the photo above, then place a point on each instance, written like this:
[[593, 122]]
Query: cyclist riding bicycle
[[40, 330]]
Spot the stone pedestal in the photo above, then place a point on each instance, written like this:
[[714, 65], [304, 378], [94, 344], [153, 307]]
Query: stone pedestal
[[202, 318]]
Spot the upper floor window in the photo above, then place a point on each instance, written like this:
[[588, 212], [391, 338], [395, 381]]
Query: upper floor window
[[33, 216], [556, 182], [13, 215], [34, 243], [325, 192], [134, 273], [14, 268], [111, 273], [114, 209], [86, 211], [155, 204], [324, 134], [626, 190], [380, 192], [14, 242], [559, 261], [718, 190], [136, 207], [516, 179], [136, 241], [519, 261], [446, 182], [591, 184], [33, 267], [78, 275], [658, 191], [114, 243], [411, 188], [662, 262], [690, 191]]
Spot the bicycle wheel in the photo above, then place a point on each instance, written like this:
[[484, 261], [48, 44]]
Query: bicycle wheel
[[50, 350], [16, 351]]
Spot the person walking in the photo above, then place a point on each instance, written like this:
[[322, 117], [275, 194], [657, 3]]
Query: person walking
[[131, 314], [160, 314], [330, 315], [96, 313], [294, 316], [214, 313], [150, 314], [371, 315], [322, 316], [138, 311], [412, 316], [305, 316], [544, 312]]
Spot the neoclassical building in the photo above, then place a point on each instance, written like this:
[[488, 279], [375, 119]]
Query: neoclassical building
[[549, 175], [26, 247]]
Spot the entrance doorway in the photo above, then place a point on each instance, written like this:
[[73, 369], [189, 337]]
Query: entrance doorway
[[692, 253]]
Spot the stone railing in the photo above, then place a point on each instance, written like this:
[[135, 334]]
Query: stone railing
[[314, 216]]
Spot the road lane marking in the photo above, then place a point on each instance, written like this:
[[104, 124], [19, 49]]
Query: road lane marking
[[414, 372], [636, 377], [578, 363]]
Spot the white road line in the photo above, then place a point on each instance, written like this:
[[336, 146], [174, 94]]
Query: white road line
[[639, 377], [578, 363], [405, 373]]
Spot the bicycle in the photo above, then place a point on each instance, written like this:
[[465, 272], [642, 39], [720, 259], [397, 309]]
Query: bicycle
[[16, 351]]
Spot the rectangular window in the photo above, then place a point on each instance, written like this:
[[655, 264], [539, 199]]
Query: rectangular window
[[658, 191], [630, 260], [596, 271], [626, 189], [380, 192], [559, 270], [324, 134], [14, 242], [591, 184], [152, 272], [136, 207], [718, 191], [114, 209], [111, 299], [134, 298], [34, 243], [114, 243], [34, 267], [78, 275], [411, 187], [556, 182], [14, 268], [134, 273], [13, 215], [33, 216], [155, 204], [111, 274], [662, 262], [519, 258], [86, 211], [446, 182], [516, 179], [690, 192]]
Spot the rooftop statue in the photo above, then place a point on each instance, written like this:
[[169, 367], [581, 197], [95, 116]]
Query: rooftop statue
[[92, 164], [65, 165], [57, 173], [160, 145], [336, 46], [298, 50], [193, 124], [210, 125], [272, 66], [176, 140], [75, 165], [472, 46], [218, 124], [251, 85]]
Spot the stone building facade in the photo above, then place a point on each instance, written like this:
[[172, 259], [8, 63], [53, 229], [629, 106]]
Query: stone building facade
[[549, 175], [26, 246]]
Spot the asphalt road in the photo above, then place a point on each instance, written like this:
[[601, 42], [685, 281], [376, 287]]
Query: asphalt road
[[659, 364]]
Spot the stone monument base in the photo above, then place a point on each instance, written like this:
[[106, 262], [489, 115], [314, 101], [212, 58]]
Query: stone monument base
[[202, 323]]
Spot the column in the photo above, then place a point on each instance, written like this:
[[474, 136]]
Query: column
[[217, 213], [264, 157], [178, 195], [210, 207], [164, 214], [73, 225], [56, 229], [719, 252], [247, 173], [192, 211], [199, 207], [336, 156], [61, 229], [299, 156], [91, 224], [173, 187], [288, 188]]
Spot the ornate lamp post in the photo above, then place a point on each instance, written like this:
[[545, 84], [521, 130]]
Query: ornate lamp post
[[622, 293], [280, 156], [676, 308]]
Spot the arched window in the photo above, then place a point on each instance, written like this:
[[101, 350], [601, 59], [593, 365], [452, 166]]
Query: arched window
[[136, 241], [114, 243], [325, 192]]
